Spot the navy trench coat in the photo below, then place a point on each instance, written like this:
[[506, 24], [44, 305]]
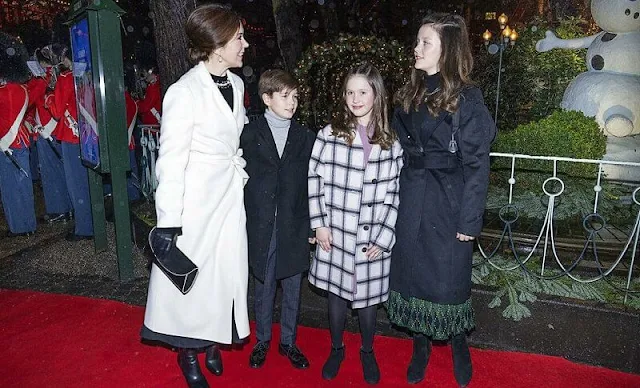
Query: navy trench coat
[[441, 194]]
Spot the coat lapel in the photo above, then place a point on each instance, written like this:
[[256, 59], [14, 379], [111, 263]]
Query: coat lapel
[[293, 141], [266, 137], [429, 123], [217, 99]]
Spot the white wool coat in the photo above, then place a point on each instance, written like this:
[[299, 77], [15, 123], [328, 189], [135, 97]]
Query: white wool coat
[[201, 180]]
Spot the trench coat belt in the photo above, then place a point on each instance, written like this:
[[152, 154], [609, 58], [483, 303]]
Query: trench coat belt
[[432, 162], [236, 160]]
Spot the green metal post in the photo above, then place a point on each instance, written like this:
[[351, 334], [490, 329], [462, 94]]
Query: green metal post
[[97, 211], [104, 24], [110, 70]]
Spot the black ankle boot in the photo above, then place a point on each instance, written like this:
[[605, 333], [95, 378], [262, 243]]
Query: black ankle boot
[[213, 360], [461, 359], [370, 368], [332, 366], [419, 358], [188, 361]]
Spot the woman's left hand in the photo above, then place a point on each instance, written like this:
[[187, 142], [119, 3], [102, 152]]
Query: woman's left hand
[[373, 252], [464, 237]]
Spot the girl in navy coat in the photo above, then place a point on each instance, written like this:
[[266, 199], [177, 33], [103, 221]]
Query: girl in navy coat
[[445, 131]]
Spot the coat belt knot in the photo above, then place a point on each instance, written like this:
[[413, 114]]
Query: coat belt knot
[[239, 163]]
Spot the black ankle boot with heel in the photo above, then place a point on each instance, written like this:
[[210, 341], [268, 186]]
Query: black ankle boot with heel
[[332, 365], [461, 359], [370, 368], [213, 360], [419, 358], [188, 362]]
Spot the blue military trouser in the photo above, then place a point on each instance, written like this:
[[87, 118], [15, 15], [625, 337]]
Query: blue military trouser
[[16, 191]]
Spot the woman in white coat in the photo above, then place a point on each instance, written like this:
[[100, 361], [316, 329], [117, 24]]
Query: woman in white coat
[[199, 200]]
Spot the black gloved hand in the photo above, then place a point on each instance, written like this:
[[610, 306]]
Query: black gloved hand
[[162, 239]]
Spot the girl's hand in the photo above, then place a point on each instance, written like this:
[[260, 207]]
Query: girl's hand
[[373, 252], [312, 240], [464, 237], [324, 239]]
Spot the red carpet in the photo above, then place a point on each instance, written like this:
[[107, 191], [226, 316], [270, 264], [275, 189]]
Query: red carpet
[[49, 340]]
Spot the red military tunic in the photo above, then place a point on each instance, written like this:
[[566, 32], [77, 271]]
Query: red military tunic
[[12, 98], [37, 91], [151, 101], [63, 99]]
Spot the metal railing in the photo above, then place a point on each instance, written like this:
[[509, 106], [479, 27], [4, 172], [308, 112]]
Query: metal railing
[[150, 143], [546, 240]]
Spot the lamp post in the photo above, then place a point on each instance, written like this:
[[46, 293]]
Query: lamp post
[[506, 38]]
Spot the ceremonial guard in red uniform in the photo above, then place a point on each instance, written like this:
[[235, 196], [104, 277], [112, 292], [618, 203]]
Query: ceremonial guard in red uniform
[[62, 105], [16, 187], [54, 186], [149, 107]]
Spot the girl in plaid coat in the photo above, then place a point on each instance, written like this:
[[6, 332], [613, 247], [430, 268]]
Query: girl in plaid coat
[[353, 203]]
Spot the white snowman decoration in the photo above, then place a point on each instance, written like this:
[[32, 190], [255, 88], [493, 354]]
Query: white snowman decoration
[[610, 90]]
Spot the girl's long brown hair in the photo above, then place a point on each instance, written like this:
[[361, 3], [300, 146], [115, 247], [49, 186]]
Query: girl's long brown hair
[[455, 65], [344, 122]]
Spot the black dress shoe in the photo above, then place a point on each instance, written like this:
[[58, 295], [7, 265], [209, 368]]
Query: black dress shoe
[[419, 358], [76, 237], [213, 360], [332, 365], [188, 362], [370, 368], [295, 356], [259, 354], [27, 234], [461, 359]]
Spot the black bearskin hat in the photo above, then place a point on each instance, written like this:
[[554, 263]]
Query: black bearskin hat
[[13, 60]]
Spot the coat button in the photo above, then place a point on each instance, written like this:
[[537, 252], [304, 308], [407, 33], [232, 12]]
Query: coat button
[[374, 181], [364, 249], [370, 205], [366, 227]]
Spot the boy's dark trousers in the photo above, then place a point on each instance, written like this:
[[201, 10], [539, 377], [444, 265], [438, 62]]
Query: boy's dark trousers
[[265, 294]]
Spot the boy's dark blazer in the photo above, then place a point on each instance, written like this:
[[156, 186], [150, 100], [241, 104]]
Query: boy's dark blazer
[[282, 183]]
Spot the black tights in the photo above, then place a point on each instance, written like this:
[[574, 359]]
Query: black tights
[[338, 316]]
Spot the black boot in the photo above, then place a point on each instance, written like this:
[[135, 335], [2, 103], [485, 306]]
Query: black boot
[[419, 358], [370, 368], [461, 359], [213, 360], [188, 361], [332, 365]]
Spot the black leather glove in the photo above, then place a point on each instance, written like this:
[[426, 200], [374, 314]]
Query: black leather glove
[[162, 239]]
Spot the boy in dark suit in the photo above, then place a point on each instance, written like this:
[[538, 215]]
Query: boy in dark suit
[[277, 150]]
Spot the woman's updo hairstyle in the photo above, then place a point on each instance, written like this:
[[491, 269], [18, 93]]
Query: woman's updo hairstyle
[[208, 28]]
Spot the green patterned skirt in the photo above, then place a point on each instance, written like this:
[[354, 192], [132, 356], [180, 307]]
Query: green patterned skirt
[[438, 321]]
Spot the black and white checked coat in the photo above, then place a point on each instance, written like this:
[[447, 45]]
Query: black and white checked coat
[[360, 206]]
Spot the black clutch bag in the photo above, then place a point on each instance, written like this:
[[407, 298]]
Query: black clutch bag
[[180, 270]]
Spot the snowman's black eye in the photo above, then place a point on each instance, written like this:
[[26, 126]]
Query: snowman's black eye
[[635, 15], [597, 62], [627, 12]]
